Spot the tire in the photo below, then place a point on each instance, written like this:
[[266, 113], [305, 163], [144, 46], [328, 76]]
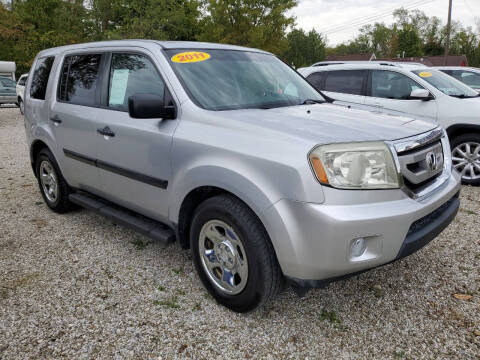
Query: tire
[[21, 106], [50, 177], [466, 157], [246, 235]]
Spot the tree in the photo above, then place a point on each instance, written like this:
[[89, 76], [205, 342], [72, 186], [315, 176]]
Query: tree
[[304, 49], [256, 23], [409, 42]]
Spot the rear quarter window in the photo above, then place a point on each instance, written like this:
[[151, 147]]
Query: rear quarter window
[[41, 74], [346, 81]]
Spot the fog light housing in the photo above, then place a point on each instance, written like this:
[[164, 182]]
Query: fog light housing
[[357, 248]]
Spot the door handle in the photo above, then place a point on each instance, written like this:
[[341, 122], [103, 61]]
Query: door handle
[[56, 119], [106, 131]]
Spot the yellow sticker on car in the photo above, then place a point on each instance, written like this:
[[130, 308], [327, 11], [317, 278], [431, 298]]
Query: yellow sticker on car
[[425, 74], [190, 57]]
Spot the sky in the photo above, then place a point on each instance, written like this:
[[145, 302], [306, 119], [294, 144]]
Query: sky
[[341, 19]]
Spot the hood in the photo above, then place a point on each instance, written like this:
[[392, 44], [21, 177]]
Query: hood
[[328, 123]]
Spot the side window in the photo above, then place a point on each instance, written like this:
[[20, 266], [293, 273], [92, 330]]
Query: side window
[[22, 81], [40, 77], [392, 85], [317, 80], [346, 81], [470, 78], [132, 74], [79, 79]]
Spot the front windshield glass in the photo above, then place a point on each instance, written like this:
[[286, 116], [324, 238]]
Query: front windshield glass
[[230, 79], [7, 82], [446, 84]]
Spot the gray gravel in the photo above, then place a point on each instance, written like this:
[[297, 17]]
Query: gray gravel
[[78, 286]]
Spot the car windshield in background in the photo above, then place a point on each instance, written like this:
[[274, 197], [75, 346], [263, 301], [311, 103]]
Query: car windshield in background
[[6, 82], [446, 84], [231, 79]]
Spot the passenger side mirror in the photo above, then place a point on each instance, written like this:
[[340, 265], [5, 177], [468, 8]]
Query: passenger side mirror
[[149, 106], [421, 94]]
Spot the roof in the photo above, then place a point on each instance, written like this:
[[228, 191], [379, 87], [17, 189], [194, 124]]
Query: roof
[[351, 57], [457, 68], [357, 65], [162, 44], [452, 60]]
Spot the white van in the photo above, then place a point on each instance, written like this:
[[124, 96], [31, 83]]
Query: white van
[[413, 89], [7, 69]]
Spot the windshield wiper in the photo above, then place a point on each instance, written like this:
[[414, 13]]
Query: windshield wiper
[[463, 96], [311, 101]]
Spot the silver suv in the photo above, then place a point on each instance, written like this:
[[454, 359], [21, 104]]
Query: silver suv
[[233, 154]]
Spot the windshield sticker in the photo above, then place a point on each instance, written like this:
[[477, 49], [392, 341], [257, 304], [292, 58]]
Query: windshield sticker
[[190, 57], [425, 74]]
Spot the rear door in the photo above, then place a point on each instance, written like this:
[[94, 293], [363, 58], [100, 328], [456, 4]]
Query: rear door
[[73, 117], [345, 86], [134, 160], [391, 90]]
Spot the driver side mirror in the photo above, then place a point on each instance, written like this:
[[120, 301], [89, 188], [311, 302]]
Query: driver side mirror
[[421, 94], [149, 106]]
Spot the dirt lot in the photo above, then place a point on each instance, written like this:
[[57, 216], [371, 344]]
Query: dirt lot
[[78, 286]]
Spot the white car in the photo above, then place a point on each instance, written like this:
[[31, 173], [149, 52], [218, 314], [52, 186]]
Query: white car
[[21, 91], [413, 89], [467, 75]]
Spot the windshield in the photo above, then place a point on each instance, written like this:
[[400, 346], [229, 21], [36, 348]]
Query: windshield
[[446, 84], [469, 78], [230, 79], [6, 82]]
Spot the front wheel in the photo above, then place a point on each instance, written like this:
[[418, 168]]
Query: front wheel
[[21, 106], [466, 157], [233, 254]]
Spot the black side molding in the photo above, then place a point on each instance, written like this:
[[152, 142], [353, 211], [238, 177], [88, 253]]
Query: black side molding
[[148, 227], [162, 184]]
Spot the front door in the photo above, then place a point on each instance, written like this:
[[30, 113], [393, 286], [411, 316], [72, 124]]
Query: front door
[[134, 154], [390, 90]]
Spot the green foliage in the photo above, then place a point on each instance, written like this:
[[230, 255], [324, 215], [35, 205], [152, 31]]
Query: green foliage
[[29, 26], [414, 34], [409, 41], [304, 49], [255, 23]]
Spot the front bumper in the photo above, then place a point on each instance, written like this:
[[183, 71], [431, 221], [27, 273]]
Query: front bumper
[[312, 241], [8, 99]]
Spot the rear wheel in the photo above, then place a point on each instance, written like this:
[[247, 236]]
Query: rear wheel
[[21, 106], [233, 254], [466, 157], [52, 185]]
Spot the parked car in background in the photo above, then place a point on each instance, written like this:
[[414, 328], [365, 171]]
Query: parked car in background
[[232, 153], [467, 75], [412, 89], [20, 90], [7, 69], [7, 91]]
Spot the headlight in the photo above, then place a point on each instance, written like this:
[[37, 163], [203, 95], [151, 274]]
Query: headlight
[[364, 165]]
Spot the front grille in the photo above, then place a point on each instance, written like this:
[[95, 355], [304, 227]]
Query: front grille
[[422, 164]]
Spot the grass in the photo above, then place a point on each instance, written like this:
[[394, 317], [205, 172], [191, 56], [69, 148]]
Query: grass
[[161, 288], [169, 303], [139, 244], [330, 316], [178, 271], [197, 307], [399, 354], [470, 212]]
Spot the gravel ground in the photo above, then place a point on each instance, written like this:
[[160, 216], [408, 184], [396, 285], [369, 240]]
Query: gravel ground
[[77, 286]]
